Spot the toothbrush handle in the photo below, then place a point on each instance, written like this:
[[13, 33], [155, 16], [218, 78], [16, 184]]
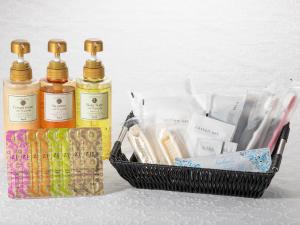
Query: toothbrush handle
[[254, 138], [258, 133]]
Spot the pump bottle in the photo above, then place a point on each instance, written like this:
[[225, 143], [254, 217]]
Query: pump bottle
[[93, 96], [21, 92], [57, 91]]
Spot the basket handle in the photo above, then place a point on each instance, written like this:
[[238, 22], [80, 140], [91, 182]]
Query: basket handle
[[116, 151], [280, 145]]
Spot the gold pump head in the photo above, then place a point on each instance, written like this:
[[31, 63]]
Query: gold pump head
[[20, 69], [93, 69], [93, 46], [57, 70]]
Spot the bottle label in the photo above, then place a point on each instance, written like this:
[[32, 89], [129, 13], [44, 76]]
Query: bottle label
[[93, 106], [58, 107], [22, 108]]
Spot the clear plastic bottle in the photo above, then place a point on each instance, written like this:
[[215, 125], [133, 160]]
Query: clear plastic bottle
[[93, 96], [21, 92], [57, 95]]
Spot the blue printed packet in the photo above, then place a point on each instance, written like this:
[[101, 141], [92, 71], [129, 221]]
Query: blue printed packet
[[254, 160]]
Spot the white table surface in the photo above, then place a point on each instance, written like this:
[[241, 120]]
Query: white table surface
[[151, 45]]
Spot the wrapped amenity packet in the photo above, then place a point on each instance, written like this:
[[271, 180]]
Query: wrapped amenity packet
[[255, 160]]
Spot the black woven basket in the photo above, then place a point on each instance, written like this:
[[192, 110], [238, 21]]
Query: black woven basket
[[195, 180]]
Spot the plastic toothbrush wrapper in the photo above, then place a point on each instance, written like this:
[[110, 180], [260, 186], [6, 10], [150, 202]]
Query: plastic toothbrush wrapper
[[283, 120], [255, 160], [269, 107]]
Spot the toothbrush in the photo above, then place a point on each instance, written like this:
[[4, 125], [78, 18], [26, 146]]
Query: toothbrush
[[283, 121], [269, 106]]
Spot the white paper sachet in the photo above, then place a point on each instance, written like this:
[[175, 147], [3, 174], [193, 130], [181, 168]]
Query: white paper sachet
[[208, 127], [229, 147], [205, 146], [227, 108], [209, 146]]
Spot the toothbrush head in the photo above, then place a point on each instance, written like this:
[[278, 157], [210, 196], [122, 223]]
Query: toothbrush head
[[270, 104]]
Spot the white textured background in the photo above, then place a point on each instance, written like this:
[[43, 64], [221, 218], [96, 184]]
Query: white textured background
[[151, 45]]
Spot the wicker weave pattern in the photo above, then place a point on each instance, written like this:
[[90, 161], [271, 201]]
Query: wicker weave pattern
[[185, 179], [195, 180]]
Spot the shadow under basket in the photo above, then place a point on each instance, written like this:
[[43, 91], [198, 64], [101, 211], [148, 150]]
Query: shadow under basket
[[194, 180]]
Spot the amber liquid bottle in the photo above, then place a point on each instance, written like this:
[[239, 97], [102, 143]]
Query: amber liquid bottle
[[57, 95]]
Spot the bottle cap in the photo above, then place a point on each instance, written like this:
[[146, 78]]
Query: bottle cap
[[20, 69], [93, 69], [57, 70]]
